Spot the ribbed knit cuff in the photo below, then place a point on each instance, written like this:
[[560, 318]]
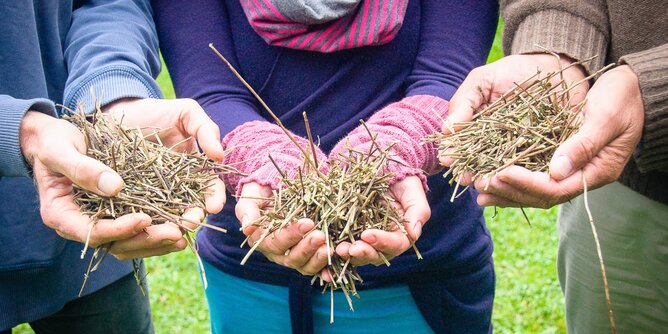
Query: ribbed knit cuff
[[249, 147], [108, 85], [560, 32], [651, 67], [12, 111], [403, 124]]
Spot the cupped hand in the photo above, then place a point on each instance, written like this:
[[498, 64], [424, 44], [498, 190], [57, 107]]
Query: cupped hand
[[411, 203], [56, 150], [184, 127], [487, 83], [297, 246], [611, 129]]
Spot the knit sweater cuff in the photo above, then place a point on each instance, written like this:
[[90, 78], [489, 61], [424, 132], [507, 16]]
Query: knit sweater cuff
[[12, 111], [108, 85], [250, 146], [403, 124], [560, 32], [651, 67]]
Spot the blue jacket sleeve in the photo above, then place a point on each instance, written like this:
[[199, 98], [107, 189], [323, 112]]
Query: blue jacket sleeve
[[11, 114], [111, 49], [196, 70], [456, 37]]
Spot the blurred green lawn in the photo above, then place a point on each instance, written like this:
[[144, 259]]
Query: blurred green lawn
[[528, 297]]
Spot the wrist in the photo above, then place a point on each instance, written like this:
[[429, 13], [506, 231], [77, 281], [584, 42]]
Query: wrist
[[31, 123], [548, 62], [118, 106]]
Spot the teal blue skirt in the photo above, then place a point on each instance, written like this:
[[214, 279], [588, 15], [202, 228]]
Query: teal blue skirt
[[237, 305]]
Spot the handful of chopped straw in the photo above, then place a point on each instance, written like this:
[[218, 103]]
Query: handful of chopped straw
[[159, 181], [349, 199], [523, 127]]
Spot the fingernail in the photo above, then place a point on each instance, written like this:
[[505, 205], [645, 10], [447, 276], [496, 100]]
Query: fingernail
[[417, 230], [447, 124], [304, 227], [562, 167], [143, 218], [109, 183], [244, 221], [371, 239]]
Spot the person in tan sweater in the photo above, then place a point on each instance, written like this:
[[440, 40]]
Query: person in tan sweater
[[622, 149]]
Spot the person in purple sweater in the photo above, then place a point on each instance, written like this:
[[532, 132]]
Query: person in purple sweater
[[394, 64]]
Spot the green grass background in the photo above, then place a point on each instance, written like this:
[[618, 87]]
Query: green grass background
[[528, 297]]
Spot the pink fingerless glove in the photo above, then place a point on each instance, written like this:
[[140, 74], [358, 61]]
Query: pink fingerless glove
[[249, 146], [405, 123]]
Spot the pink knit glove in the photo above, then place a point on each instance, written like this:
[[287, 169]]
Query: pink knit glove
[[405, 122], [249, 146]]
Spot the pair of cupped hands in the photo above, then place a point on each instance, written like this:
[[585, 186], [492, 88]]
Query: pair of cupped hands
[[611, 129], [303, 247]]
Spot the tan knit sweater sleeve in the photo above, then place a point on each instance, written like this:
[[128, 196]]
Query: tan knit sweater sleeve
[[651, 67], [578, 29]]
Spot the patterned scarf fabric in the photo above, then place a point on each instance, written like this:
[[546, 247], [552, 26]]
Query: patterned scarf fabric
[[325, 25]]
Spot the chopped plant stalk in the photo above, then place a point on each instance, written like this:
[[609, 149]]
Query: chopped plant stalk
[[159, 181]]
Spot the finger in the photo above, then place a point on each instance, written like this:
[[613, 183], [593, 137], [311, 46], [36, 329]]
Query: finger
[[362, 253], [326, 275], [215, 199], [390, 244], [343, 249], [527, 188], [249, 204], [143, 253], [471, 95], [498, 201], [411, 196], [282, 240], [198, 124], [316, 263], [192, 219], [108, 230], [153, 237], [300, 253]]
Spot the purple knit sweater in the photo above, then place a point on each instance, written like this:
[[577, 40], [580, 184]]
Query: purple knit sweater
[[438, 44]]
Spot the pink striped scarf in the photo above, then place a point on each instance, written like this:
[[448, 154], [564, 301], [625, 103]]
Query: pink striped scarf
[[325, 25]]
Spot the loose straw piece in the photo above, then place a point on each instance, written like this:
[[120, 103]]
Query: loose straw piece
[[606, 288]]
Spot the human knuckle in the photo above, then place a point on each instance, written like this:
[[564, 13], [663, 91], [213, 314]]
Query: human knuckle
[[588, 147]]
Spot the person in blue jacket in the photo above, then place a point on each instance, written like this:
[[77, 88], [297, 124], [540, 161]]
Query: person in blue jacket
[[58, 52]]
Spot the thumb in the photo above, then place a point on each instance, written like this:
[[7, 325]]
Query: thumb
[[580, 149], [86, 172], [414, 203], [249, 204], [470, 96]]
